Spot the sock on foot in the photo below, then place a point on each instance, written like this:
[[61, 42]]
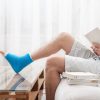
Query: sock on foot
[[18, 63]]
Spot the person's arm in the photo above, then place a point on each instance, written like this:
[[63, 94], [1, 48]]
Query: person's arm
[[96, 48]]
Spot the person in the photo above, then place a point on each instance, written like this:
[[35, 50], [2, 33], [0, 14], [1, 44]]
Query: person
[[77, 58]]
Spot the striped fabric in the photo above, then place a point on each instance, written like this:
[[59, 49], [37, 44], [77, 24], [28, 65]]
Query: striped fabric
[[10, 81]]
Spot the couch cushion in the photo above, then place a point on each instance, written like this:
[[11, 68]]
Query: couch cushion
[[76, 92]]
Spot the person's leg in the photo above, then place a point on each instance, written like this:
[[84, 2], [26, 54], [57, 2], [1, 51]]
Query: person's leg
[[54, 67], [63, 41]]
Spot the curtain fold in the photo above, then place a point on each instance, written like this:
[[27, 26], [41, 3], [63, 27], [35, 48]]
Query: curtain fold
[[26, 25]]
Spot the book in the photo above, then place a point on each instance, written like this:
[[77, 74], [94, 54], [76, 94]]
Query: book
[[81, 78], [80, 75], [89, 37], [90, 82], [93, 35]]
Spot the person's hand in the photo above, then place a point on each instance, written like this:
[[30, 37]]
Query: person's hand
[[2, 52], [96, 48]]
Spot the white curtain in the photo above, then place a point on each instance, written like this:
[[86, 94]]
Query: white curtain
[[25, 25]]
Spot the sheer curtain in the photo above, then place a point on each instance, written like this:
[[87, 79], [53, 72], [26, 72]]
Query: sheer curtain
[[86, 15], [25, 25]]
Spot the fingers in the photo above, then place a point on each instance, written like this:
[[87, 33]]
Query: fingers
[[96, 45], [96, 48], [93, 47], [3, 53], [97, 51]]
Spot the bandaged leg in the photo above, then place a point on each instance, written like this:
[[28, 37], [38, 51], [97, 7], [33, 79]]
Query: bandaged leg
[[18, 62]]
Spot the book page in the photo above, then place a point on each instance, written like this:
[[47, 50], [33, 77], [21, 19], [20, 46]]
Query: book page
[[94, 35]]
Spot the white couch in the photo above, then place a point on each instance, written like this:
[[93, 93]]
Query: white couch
[[76, 92]]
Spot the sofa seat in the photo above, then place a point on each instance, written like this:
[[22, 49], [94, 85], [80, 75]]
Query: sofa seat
[[76, 92]]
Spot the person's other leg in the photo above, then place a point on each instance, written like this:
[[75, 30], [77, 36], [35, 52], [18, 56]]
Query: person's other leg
[[54, 67]]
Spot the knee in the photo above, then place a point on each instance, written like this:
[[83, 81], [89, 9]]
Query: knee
[[64, 36], [51, 64]]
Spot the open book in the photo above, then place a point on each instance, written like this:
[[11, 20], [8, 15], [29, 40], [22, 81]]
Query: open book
[[93, 35], [89, 38]]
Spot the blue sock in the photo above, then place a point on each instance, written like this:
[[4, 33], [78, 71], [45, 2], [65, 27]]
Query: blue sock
[[17, 62]]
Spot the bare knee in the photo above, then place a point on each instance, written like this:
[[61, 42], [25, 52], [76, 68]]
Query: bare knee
[[64, 35], [55, 63], [66, 41], [50, 65]]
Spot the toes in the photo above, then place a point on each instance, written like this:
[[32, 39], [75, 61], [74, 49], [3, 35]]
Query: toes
[[3, 53]]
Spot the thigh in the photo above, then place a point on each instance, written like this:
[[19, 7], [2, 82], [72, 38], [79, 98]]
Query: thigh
[[77, 64]]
